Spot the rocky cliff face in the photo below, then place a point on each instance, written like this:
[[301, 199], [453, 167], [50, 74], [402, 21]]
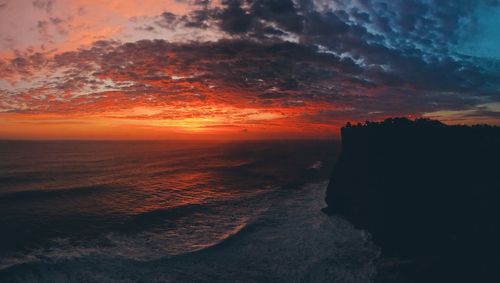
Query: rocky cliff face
[[428, 193]]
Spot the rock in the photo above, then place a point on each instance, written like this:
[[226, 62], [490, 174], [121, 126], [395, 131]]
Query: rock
[[428, 193]]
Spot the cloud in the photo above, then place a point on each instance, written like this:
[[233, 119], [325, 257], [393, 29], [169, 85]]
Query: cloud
[[45, 5], [245, 73], [3, 4], [316, 62]]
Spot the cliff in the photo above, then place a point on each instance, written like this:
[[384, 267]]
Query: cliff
[[428, 193]]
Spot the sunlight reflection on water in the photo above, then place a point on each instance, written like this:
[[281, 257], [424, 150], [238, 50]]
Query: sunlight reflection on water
[[154, 198]]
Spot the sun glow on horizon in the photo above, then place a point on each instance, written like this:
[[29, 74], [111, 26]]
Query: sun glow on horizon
[[163, 122], [238, 69]]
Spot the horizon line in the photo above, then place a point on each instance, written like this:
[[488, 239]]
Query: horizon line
[[166, 140]]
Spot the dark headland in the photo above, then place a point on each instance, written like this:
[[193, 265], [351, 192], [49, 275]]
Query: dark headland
[[428, 193]]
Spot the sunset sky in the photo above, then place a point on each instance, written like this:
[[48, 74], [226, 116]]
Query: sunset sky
[[175, 69]]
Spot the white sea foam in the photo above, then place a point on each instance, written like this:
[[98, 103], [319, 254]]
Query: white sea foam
[[292, 241]]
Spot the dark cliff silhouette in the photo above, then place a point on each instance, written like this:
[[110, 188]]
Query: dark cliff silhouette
[[428, 193]]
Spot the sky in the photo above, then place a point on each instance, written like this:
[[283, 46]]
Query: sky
[[249, 69]]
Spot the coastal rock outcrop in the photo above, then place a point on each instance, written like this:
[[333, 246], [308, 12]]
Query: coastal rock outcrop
[[428, 193]]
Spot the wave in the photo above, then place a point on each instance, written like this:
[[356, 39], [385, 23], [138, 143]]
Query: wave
[[151, 218], [62, 192], [292, 242], [114, 248], [19, 179], [232, 236]]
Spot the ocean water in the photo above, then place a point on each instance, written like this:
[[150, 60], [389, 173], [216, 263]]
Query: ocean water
[[171, 211]]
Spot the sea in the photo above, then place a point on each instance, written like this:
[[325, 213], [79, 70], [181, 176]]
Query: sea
[[174, 211]]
